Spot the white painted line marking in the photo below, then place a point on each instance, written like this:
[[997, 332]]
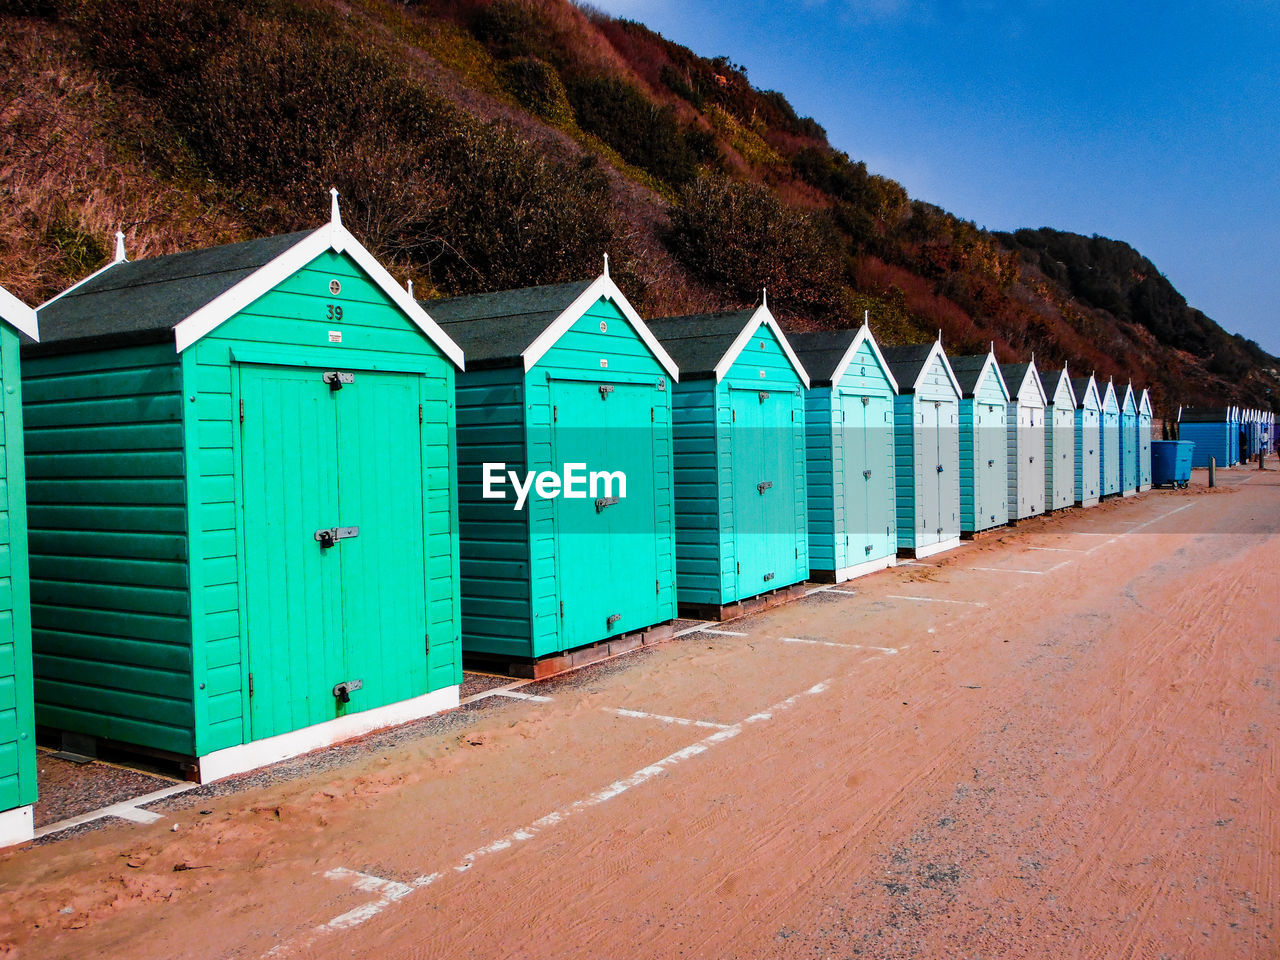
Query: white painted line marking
[[832, 643], [517, 695], [391, 892], [1057, 550], [1034, 573], [1170, 513], [678, 721], [847, 593], [723, 633], [688, 630], [970, 603], [125, 810], [913, 563], [814, 590]]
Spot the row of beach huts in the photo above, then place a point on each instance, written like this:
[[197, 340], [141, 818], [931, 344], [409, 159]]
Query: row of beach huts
[[269, 500]]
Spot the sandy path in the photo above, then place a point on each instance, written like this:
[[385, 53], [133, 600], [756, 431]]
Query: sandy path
[[1060, 742]]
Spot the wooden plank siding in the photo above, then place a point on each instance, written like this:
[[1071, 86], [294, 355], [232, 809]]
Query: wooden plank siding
[[290, 326], [906, 473], [705, 548], [979, 444], [1059, 447], [109, 545], [17, 720]]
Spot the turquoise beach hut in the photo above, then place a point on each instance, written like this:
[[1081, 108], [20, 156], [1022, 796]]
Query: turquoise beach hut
[[567, 385], [1129, 449], [1025, 425], [984, 460], [1059, 440], [1088, 441], [1110, 428], [849, 427], [17, 706], [1209, 428], [1144, 441], [739, 432], [926, 414]]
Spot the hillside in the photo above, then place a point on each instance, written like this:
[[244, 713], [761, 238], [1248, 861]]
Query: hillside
[[482, 144]]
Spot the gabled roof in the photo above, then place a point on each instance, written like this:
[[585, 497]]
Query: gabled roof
[[972, 369], [1023, 374], [1109, 393], [707, 345], [187, 295], [1144, 403], [827, 354], [1204, 414], [1129, 398], [18, 315], [1052, 380], [515, 328], [1082, 387], [909, 364]]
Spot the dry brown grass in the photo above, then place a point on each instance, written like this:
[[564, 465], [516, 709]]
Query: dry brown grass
[[73, 171]]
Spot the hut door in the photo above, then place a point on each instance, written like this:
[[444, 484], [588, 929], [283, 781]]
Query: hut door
[[880, 519], [319, 612], [931, 464], [606, 543], [764, 493]]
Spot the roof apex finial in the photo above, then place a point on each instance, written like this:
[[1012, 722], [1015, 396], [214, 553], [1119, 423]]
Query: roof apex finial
[[866, 318], [606, 264], [409, 286], [764, 297], [335, 215], [120, 257], [939, 334]]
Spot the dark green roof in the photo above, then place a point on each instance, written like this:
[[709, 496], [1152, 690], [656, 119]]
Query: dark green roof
[[138, 300], [967, 369], [1048, 377], [1013, 374], [698, 342], [821, 352], [495, 329], [1081, 386], [1205, 415], [905, 363]]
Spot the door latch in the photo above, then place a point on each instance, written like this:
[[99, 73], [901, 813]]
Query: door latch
[[605, 390], [602, 502], [328, 536], [939, 468], [866, 474], [764, 485], [336, 379], [613, 618], [764, 395], [768, 576], [342, 691]]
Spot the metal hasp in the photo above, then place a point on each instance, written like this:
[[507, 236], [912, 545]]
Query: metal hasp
[[336, 379], [866, 474], [602, 502], [768, 576], [605, 390], [328, 536], [764, 485], [613, 618], [764, 395], [342, 691]]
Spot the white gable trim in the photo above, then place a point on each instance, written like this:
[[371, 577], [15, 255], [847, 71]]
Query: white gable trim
[[332, 236], [80, 283], [863, 336], [1144, 405], [1090, 390], [993, 364], [762, 317], [1111, 393], [1064, 377], [1032, 376], [941, 354], [604, 287], [18, 315]]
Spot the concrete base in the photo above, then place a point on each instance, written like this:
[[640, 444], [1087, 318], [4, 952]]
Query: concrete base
[[260, 753], [557, 663], [941, 547], [851, 573], [1128, 493], [17, 825], [1144, 487], [1091, 502], [741, 608]]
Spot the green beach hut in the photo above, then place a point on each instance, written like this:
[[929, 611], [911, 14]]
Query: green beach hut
[[739, 434], [926, 414], [17, 720], [1088, 441], [1025, 424], [984, 461], [568, 394], [243, 515], [849, 428], [1059, 439]]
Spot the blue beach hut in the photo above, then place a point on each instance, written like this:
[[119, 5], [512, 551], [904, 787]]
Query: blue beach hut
[[1110, 428], [1025, 425], [984, 461], [1144, 441], [1088, 440], [1059, 440], [1129, 451]]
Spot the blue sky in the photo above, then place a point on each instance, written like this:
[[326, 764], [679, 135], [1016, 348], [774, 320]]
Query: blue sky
[[1156, 124]]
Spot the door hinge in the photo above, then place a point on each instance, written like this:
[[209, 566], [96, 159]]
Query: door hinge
[[797, 553], [555, 413], [242, 411], [251, 683], [657, 586], [561, 609], [419, 413], [651, 419], [426, 642], [735, 416], [739, 567]]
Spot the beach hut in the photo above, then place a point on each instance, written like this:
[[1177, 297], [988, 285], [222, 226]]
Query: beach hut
[[1144, 441], [17, 718], [566, 384], [1109, 426], [1088, 440], [739, 433], [926, 416], [849, 429], [1059, 440], [1025, 425], [1209, 428], [1129, 446], [243, 519], [984, 461], [1233, 454]]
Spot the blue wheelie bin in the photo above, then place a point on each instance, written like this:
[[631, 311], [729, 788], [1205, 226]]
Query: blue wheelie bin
[[1171, 462]]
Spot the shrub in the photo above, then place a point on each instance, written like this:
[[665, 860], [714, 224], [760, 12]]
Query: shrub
[[538, 87]]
